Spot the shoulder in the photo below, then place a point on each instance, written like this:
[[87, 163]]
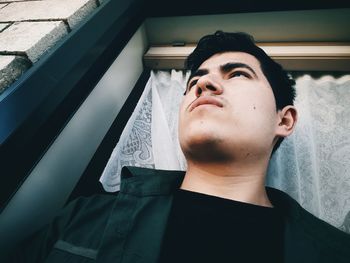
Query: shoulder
[[85, 206], [72, 224], [92, 201], [307, 226]]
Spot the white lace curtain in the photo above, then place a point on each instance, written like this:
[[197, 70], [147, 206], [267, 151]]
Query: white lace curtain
[[312, 165]]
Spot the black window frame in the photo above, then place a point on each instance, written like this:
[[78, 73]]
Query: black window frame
[[35, 108]]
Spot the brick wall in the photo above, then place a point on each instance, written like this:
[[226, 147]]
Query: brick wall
[[29, 28]]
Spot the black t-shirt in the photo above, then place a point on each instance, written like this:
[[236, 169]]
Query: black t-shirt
[[204, 228]]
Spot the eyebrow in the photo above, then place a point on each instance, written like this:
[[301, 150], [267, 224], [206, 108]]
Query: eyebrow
[[223, 68], [232, 65]]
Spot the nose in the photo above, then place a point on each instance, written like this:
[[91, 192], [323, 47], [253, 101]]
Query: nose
[[208, 83]]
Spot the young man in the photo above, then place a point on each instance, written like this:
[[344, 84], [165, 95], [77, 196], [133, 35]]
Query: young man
[[237, 108]]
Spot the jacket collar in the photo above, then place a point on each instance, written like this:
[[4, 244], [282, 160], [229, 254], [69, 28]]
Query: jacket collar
[[145, 181]]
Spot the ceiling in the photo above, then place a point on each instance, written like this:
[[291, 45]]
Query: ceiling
[[161, 8], [330, 25]]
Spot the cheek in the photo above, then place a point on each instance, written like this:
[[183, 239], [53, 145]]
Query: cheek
[[182, 110], [183, 122], [255, 110], [264, 116], [186, 101]]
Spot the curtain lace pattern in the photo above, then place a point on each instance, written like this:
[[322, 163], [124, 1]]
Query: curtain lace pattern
[[154, 119], [312, 165], [134, 147]]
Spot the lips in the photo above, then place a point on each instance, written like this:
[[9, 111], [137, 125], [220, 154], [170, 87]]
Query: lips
[[205, 100]]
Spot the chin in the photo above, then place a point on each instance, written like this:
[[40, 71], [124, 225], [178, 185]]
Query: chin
[[202, 145], [200, 132]]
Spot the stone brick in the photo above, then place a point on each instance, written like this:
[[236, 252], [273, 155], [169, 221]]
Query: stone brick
[[71, 11], [3, 26], [81, 13], [10, 1], [11, 67], [31, 38]]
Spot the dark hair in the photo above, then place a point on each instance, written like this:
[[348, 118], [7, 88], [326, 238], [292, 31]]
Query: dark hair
[[280, 81]]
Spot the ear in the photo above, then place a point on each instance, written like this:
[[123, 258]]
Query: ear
[[286, 121]]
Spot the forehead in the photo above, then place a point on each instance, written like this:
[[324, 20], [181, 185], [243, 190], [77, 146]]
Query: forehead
[[215, 61]]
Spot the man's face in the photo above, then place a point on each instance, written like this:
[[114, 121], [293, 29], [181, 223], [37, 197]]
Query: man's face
[[228, 111]]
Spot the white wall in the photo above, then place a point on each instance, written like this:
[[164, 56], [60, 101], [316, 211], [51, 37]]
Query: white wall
[[51, 181]]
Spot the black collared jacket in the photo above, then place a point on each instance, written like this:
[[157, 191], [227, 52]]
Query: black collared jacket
[[129, 226]]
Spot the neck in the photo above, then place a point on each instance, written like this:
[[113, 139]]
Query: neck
[[244, 184]]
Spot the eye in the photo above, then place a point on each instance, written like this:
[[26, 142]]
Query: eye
[[192, 83], [239, 74]]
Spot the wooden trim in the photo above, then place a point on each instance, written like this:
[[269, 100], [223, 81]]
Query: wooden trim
[[315, 56]]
